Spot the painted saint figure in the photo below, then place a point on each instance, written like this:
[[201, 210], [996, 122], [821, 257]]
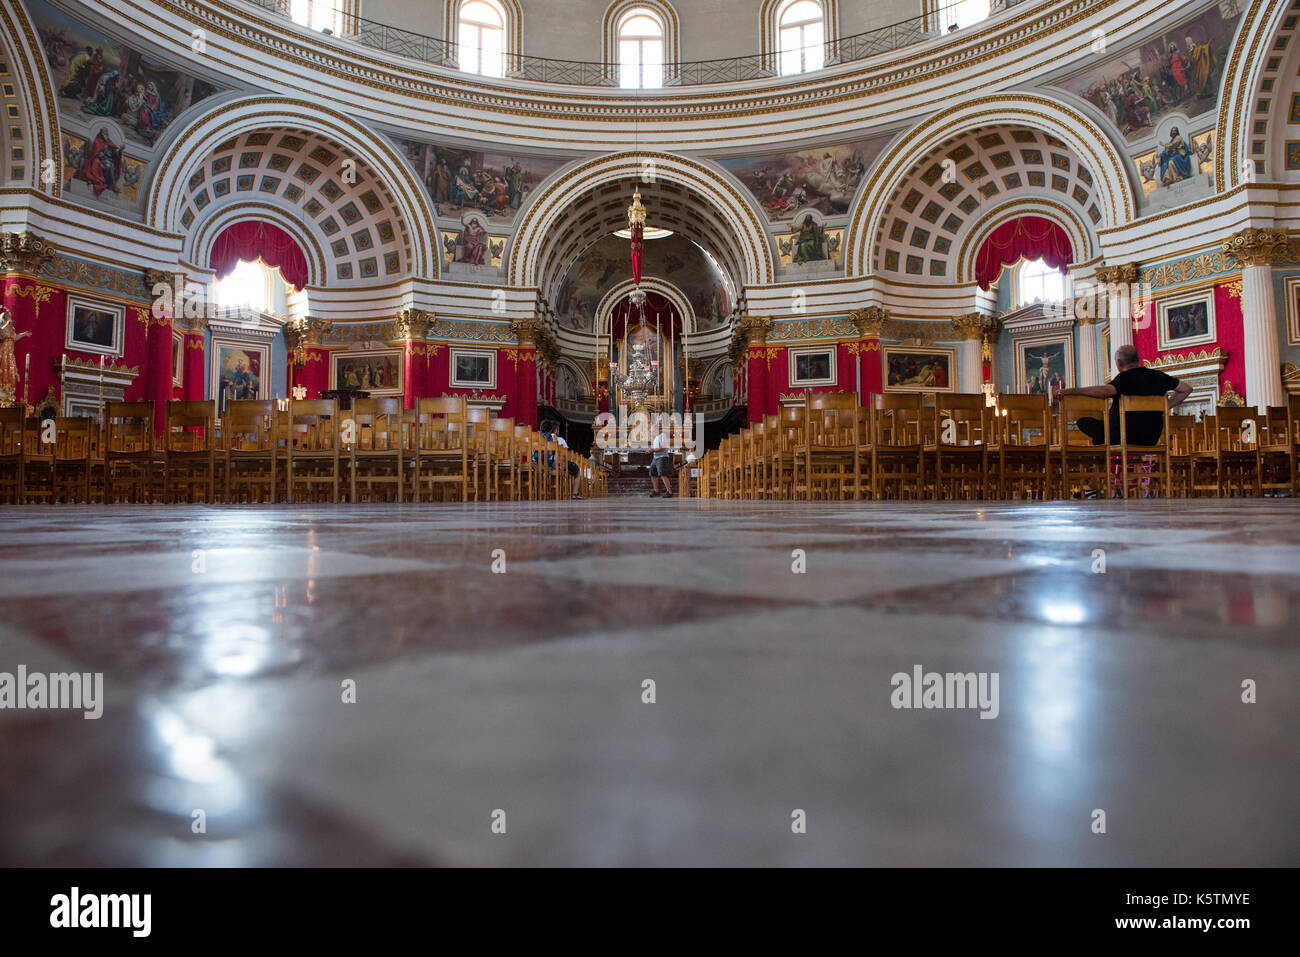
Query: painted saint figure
[[9, 336], [1175, 159]]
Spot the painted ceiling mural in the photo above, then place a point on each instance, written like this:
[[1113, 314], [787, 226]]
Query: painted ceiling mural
[[462, 181], [1177, 72], [114, 104], [823, 178], [675, 259]]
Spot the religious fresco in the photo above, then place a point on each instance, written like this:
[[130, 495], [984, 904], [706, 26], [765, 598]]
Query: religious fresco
[[675, 259], [472, 246], [823, 178], [810, 242], [114, 104], [1178, 72], [460, 181], [1177, 158]]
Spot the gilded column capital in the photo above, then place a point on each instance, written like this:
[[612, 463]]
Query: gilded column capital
[[969, 326], [413, 324], [754, 329], [1256, 247], [304, 332], [871, 321], [527, 330], [1127, 273], [24, 253]]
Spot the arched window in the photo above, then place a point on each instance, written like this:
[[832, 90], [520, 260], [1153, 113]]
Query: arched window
[[1038, 282], [801, 35], [960, 13], [247, 287], [640, 49], [481, 36], [323, 15]]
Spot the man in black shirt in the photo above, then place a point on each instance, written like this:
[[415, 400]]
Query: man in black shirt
[[1143, 428]]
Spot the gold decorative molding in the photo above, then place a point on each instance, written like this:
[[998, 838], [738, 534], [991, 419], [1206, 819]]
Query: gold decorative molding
[[1189, 358], [834, 327], [145, 316], [1257, 247], [863, 347], [527, 330], [1228, 398], [1234, 289], [1127, 274], [306, 332], [870, 322], [36, 292], [1194, 267], [969, 326], [754, 329], [413, 324], [25, 253], [426, 350]]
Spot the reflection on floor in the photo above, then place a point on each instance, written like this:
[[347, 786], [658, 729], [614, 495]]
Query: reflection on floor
[[1121, 635]]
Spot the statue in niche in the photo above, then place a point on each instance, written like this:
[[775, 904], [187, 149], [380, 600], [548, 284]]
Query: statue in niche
[[9, 336]]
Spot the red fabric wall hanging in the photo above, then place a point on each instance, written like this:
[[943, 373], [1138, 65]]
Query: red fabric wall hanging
[[250, 240], [1031, 237]]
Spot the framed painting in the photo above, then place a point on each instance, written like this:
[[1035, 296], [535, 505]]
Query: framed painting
[[473, 368], [377, 371], [1043, 362], [812, 366], [95, 326], [1186, 321], [240, 370], [919, 370], [178, 359], [1293, 311]]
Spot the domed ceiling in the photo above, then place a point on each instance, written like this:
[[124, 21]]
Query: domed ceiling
[[673, 259]]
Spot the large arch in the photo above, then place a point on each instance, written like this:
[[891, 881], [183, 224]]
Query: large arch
[[198, 244], [1234, 157], [1082, 239], [38, 118], [1117, 199], [182, 156], [542, 222], [605, 308]]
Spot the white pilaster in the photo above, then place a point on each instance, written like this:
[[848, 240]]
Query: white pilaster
[[1260, 346], [970, 371], [1088, 373]]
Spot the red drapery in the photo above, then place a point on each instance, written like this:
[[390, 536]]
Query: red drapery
[[1032, 237], [251, 239]]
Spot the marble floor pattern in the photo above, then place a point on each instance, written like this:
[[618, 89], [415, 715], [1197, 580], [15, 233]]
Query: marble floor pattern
[[225, 635]]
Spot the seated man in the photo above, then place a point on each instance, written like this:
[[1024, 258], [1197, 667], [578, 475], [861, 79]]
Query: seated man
[[1143, 428], [550, 432]]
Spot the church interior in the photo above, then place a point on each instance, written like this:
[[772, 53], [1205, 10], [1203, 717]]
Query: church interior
[[640, 433]]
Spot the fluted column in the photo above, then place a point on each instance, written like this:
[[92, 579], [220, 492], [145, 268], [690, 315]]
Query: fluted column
[[1118, 282], [1089, 374], [1257, 250], [871, 323], [970, 370], [412, 326]]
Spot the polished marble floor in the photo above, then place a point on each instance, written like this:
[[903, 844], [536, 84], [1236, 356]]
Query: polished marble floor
[[1121, 635]]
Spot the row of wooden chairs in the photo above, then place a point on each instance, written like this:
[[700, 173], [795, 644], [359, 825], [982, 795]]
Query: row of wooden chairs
[[957, 446], [305, 450]]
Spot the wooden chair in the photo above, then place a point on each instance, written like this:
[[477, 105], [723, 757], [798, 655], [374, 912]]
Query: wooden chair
[[479, 442], [1278, 446], [504, 480], [525, 472], [1183, 433], [1227, 461], [312, 451], [73, 448], [11, 455], [826, 461], [896, 445], [441, 447], [1152, 460], [379, 452], [957, 442], [250, 436], [1024, 447], [131, 456], [189, 451], [1081, 466]]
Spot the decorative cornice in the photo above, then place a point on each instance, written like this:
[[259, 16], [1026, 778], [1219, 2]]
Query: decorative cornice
[[754, 329], [413, 324], [1179, 360], [969, 326], [1257, 247], [24, 253], [830, 328], [1126, 273], [300, 334], [527, 331], [871, 321]]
